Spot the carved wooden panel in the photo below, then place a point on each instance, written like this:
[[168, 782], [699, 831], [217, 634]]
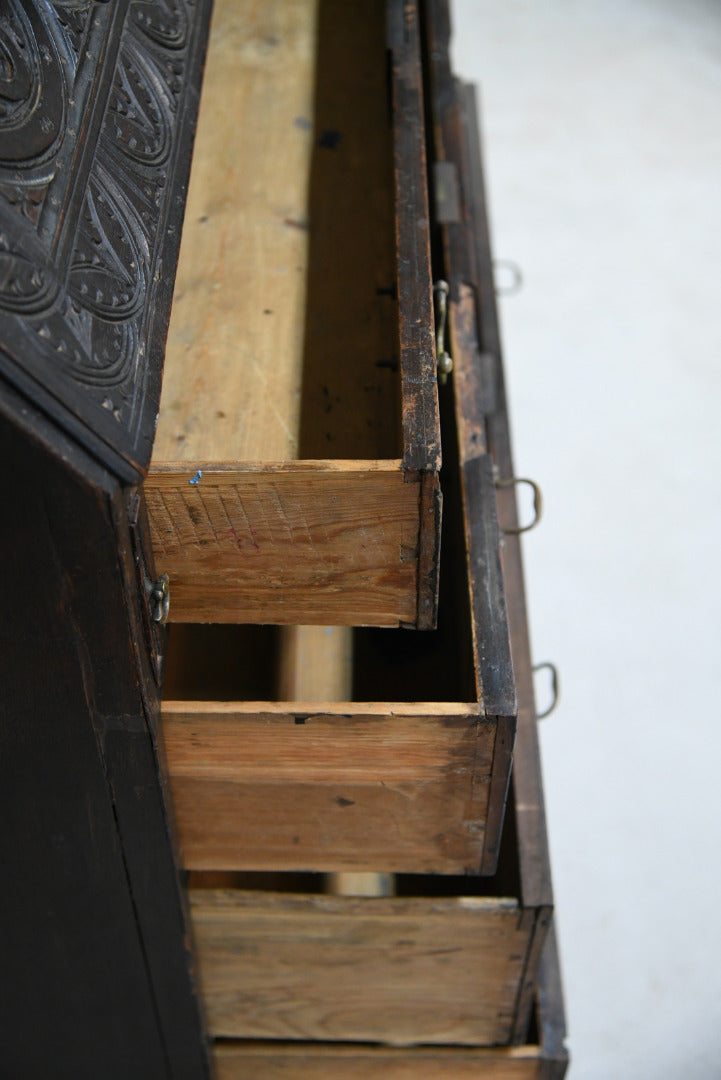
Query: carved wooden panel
[[97, 112]]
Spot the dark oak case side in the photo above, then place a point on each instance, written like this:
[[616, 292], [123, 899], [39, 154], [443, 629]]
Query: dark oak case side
[[550, 1012], [530, 817], [97, 115], [456, 234], [465, 241], [95, 957]]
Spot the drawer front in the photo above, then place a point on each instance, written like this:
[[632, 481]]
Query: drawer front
[[329, 543], [397, 788], [295, 469], [542, 1058], [319, 1062], [447, 960], [396, 971], [412, 776]]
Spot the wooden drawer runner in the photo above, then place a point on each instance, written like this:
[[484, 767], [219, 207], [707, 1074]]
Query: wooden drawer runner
[[295, 470]]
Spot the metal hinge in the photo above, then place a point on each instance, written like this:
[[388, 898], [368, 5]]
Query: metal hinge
[[446, 193]]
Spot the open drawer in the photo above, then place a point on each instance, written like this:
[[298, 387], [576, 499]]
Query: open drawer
[[543, 1055], [446, 960], [283, 756], [294, 476], [361, 776]]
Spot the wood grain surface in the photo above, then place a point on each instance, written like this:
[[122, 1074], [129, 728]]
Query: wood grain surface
[[233, 368], [419, 394], [529, 807], [94, 935], [351, 393], [294, 313], [278, 1061], [484, 435], [315, 663], [546, 1059], [397, 971], [320, 543], [349, 786], [284, 334]]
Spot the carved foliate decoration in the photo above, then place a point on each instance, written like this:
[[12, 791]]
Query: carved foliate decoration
[[97, 109]]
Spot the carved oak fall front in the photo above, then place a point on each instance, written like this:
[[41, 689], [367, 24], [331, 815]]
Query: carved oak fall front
[[94, 156]]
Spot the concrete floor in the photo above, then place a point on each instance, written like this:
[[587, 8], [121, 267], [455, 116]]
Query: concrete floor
[[602, 130]]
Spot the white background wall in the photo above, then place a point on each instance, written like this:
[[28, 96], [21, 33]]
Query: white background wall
[[602, 132]]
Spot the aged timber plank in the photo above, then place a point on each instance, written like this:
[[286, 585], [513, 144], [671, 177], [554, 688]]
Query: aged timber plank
[[316, 663], [550, 1011], [530, 811], [397, 971], [92, 922], [283, 341], [299, 329], [484, 434], [332, 787], [421, 428], [351, 399], [419, 388], [309, 542], [236, 1060], [452, 152], [234, 364]]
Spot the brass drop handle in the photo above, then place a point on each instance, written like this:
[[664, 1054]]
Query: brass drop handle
[[444, 361], [159, 599], [537, 503], [555, 691]]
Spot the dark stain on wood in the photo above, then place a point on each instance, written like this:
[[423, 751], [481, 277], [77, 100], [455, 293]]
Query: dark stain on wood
[[421, 428]]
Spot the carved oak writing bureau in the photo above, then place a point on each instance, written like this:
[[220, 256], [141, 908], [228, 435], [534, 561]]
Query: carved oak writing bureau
[[263, 541], [97, 110]]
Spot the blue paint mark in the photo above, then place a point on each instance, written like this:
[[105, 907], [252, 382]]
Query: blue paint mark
[[196, 479]]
